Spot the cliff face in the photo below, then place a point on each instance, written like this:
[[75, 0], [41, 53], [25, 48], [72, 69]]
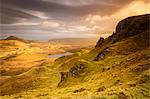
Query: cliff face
[[132, 26], [128, 27], [100, 42]]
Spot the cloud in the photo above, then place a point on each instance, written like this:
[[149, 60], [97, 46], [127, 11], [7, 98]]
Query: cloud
[[69, 17], [134, 8], [9, 16], [66, 9], [49, 24], [21, 24], [87, 2], [41, 15], [106, 24], [46, 25], [93, 19]]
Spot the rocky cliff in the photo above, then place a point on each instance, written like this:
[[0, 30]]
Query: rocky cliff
[[128, 27]]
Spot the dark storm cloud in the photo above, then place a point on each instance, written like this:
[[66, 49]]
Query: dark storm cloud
[[13, 16], [61, 9], [65, 18]]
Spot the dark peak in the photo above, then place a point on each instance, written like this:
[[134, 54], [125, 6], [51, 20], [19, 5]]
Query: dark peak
[[11, 38], [15, 38], [100, 42]]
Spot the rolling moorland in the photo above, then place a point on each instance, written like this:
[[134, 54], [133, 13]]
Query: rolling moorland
[[19, 55], [116, 68]]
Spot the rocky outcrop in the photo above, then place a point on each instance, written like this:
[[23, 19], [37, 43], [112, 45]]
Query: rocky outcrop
[[131, 26], [100, 42], [126, 28], [100, 56], [79, 90], [75, 70]]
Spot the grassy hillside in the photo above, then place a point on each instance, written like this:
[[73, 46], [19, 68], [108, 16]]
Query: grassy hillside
[[116, 69]]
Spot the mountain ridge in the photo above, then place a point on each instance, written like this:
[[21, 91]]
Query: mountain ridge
[[128, 27]]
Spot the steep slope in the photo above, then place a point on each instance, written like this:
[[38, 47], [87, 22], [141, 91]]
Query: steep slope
[[118, 66], [123, 72]]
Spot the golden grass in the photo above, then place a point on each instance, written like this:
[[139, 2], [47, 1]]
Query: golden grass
[[123, 74]]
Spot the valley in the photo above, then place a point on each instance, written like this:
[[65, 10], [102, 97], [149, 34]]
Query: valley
[[19, 56]]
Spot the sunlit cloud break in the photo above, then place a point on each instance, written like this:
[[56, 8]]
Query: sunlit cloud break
[[77, 17]]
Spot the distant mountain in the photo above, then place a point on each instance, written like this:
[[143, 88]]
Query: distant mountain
[[76, 41], [15, 38]]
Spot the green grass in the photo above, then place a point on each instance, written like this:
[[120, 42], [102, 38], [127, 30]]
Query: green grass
[[123, 74]]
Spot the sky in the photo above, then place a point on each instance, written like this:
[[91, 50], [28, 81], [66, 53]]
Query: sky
[[53, 19]]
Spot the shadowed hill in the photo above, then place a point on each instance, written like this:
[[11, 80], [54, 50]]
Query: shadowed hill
[[16, 38]]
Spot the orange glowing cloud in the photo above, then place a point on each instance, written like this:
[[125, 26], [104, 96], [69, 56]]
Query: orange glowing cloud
[[106, 24]]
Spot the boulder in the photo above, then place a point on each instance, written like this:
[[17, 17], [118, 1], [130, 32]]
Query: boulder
[[72, 72], [100, 56]]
